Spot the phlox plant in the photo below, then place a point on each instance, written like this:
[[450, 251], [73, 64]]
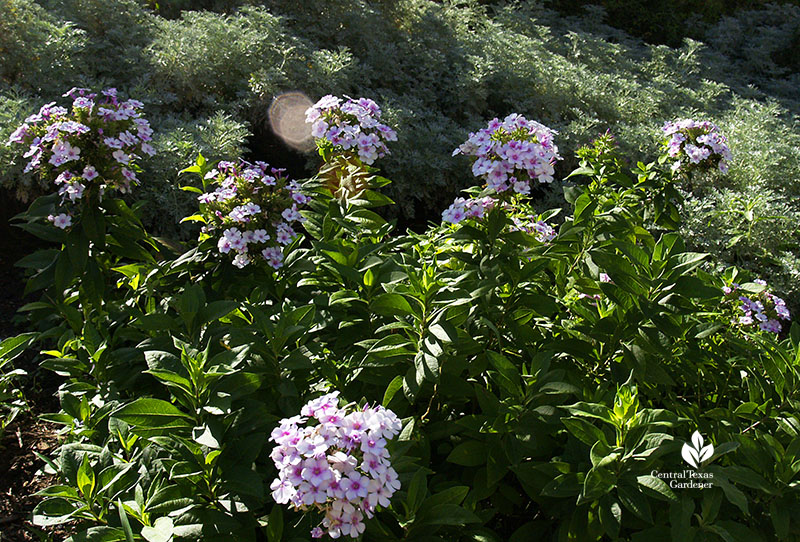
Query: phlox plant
[[523, 219], [696, 145], [250, 211], [350, 127], [541, 379], [339, 466], [509, 155], [512, 153], [756, 308], [86, 151]]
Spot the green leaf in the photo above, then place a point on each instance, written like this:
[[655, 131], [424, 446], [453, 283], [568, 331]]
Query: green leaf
[[417, 491], [779, 514], [598, 482], [216, 310], [161, 531], [94, 225], [64, 272], [38, 260], [583, 430], [471, 453], [444, 331], [123, 519], [86, 478], [687, 261], [509, 374], [610, 516], [150, 412], [78, 249], [51, 512], [394, 386], [98, 534], [391, 305], [636, 502], [168, 378], [584, 207], [563, 485], [591, 410], [656, 487], [734, 495], [167, 499], [12, 347], [446, 514], [275, 524], [193, 218], [451, 495]]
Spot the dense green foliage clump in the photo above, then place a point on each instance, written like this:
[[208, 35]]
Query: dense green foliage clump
[[547, 385]]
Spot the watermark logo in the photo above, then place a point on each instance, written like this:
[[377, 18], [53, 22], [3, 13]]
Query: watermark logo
[[695, 453]]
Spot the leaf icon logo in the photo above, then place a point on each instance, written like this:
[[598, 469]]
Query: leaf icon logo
[[695, 453]]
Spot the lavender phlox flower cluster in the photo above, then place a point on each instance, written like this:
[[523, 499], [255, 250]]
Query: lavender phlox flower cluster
[[512, 153], [335, 461], [251, 209], [763, 311], [350, 126], [478, 208], [93, 146], [540, 229], [696, 143], [463, 208]]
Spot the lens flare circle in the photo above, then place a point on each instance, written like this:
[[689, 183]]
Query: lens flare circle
[[287, 117]]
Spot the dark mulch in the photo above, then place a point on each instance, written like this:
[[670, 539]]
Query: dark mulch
[[19, 482]]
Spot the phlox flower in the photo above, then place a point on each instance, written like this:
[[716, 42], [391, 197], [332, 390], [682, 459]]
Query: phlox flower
[[241, 260], [61, 220], [696, 144], [250, 210], [762, 311], [128, 174], [352, 127], [343, 482], [510, 154], [63, 141], [90, 173]]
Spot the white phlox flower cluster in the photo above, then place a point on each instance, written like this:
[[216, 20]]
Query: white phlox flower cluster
[[254, 208], [696, 143], [339, 466], [512, 153], [350, 126], [463, 208]]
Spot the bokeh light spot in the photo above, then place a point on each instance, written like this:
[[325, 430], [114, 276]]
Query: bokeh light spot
[[287, 117]]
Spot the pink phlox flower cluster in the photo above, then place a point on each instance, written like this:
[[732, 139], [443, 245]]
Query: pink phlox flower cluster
[[98, 139], [351, 126], [763, 311], [692, 143], [511, 153], [463, 208], [339, 465], [254, 206]]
